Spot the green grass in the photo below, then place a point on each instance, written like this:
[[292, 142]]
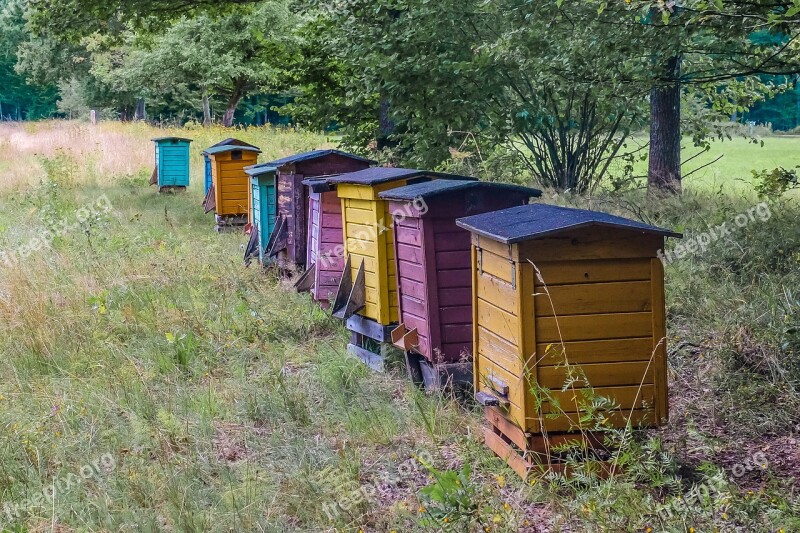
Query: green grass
[[214, 398], [737, 158]]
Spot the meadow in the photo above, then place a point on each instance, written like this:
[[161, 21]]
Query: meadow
[[150, 382]]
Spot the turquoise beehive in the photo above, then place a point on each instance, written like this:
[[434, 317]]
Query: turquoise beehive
[[262, 209], [172, 163]]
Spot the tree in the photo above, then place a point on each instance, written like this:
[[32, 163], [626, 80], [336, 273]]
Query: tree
[[708, 49], [496, 70], [18, 99], [215, 53]]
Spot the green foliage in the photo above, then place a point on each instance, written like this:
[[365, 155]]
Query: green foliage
[[451, 499], [774, 183], [18, 99]]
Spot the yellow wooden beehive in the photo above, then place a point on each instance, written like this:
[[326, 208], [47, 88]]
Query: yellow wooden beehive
[[229, 194], [368, 233], [568, 307]]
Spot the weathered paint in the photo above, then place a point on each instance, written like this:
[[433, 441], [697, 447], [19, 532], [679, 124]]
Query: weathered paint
[[293, 197], [579, 307], [231, 183], [369, 237], [172, 160], [325, 244]]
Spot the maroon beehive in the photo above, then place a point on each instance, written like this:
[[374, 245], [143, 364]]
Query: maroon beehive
[[325, 256], [434, 281], [289, 242]]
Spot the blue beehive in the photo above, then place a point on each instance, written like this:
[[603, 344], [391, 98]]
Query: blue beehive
[[207, 160], [172, 163], [262, 209]]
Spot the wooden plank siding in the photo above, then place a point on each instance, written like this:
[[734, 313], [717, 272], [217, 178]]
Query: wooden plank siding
[[440, 282], [231, 183], [369, 237], [590, 321], [325, 245], [294, 204]]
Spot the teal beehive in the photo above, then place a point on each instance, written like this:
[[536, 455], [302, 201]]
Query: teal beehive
[[172, 163], [262, 209]]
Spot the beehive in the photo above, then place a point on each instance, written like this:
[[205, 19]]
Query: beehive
[[432, 259], [368, 235], [207, 159], [291, 239], [262, 209], [171, 163], [562, 292], [229, 194], [325, 242]]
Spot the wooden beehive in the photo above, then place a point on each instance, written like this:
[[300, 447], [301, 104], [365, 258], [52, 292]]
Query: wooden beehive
[[230, 185], [171, 163], [325, 242], [432, 259], [262, 209], [367, 293], [207, 159], [290, 244], [568, 305]]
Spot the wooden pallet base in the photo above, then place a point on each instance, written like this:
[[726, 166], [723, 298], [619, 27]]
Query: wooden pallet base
[[368, 343], [528, 454]]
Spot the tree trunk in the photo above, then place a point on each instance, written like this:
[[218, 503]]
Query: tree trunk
[[239, 90], [386, 126], [664, 172], [139, 113], [206, 111]]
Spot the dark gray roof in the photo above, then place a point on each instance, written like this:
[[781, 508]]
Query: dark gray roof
[[261, 168], [377, 175], [433, 188], [320, 183], [314, 154], [230, 148], [159, 139], [230, 141], [533, 221]]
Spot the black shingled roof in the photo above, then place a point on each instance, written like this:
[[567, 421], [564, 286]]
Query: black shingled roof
[[533, 221], [433, 188], [314, 154], [377, 175]]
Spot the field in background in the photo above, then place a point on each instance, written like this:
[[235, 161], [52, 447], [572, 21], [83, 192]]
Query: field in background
[[739, 157], [160, 385]]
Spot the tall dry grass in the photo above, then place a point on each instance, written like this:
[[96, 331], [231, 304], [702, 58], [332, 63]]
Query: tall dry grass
[[109, 150]]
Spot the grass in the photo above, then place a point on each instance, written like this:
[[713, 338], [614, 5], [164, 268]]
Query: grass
[[728, 164], [198, 395]]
